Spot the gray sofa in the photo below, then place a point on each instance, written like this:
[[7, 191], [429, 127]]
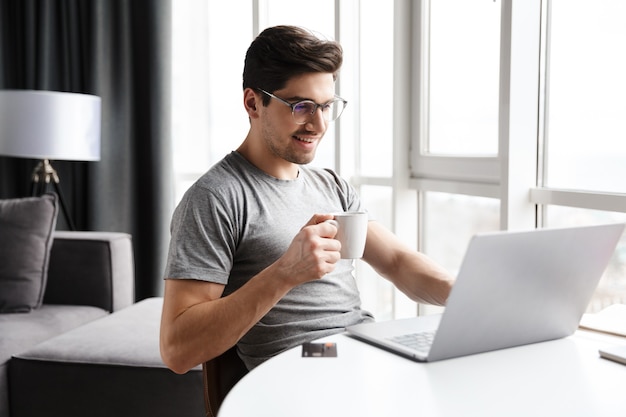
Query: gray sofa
[[72, 357], [90, 275]]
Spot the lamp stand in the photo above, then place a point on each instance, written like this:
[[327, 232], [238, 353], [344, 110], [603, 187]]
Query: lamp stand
[[44, 174]]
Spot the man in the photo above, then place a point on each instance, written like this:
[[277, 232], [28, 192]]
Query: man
[[252, 261]]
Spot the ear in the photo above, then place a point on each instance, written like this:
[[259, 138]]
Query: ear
[[251, 102]]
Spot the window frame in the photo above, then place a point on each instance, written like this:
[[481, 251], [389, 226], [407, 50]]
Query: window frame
[[514, 176], [503, 176]]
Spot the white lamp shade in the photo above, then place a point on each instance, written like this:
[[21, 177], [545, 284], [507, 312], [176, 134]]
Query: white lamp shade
[[50, 125]]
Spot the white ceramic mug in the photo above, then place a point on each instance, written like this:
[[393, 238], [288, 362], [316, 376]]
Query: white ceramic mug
[[351, 232]]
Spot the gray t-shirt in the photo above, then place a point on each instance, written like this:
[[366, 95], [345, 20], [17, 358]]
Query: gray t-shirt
[[236, 220]]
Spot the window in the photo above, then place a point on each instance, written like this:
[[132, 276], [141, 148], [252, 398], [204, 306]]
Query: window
[[465, 215], [560, 125], [464, 116], [586, 111], [584, 130], [375, 93], [463, 74]]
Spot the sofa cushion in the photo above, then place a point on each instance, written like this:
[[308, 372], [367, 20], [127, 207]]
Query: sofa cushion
[[129, 337], [109, 367], [26, 228], [20, 332]]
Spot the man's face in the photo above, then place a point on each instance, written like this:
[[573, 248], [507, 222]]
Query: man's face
[[285, 139]]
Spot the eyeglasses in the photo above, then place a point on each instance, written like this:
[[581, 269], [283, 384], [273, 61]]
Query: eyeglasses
[[302, 111]]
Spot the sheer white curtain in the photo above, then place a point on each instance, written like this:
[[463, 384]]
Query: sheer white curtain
[[208, 120]]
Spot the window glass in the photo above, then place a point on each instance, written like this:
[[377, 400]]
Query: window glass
[[450, 220], [586, 122], [377, 294], [376, 92], [319, 18], [464, 77], [612, 286]]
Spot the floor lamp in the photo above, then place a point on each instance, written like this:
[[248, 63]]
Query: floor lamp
[[49, 125]]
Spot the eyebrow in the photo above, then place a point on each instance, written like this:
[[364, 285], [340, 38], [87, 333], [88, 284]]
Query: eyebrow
[[300, 98], [297, 98]]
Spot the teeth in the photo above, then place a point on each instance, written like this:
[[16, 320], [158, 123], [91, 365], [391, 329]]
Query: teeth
[[305, 139]]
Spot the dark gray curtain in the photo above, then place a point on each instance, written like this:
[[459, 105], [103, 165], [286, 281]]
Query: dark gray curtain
[[118, 50]]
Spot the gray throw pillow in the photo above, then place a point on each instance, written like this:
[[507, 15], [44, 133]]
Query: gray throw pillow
[[26, 233]]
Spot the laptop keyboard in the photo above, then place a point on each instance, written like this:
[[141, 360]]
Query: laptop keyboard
[[418, 341]]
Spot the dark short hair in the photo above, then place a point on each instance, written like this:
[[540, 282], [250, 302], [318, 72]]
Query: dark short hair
[[280, 53]]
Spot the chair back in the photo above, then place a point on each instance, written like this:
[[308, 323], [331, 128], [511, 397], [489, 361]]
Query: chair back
[[220, 375]]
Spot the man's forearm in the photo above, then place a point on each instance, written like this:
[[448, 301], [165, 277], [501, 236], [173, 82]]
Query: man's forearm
[[422, 280]]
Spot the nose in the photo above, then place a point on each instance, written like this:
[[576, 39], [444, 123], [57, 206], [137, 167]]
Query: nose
[[316, 121]]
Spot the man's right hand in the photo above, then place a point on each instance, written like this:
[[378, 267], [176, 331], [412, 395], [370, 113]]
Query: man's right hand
[[313, 252]]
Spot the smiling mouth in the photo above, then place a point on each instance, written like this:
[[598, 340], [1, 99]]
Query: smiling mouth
[[307, 140]]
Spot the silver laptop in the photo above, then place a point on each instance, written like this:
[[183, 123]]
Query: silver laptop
[[513, 288]]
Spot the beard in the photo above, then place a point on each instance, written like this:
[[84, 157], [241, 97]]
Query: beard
[[285, 150], [291, 155]]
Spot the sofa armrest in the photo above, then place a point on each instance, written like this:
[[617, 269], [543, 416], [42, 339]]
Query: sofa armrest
[[91, 268]]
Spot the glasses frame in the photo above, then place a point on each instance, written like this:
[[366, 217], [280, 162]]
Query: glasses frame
[[316, 106]]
